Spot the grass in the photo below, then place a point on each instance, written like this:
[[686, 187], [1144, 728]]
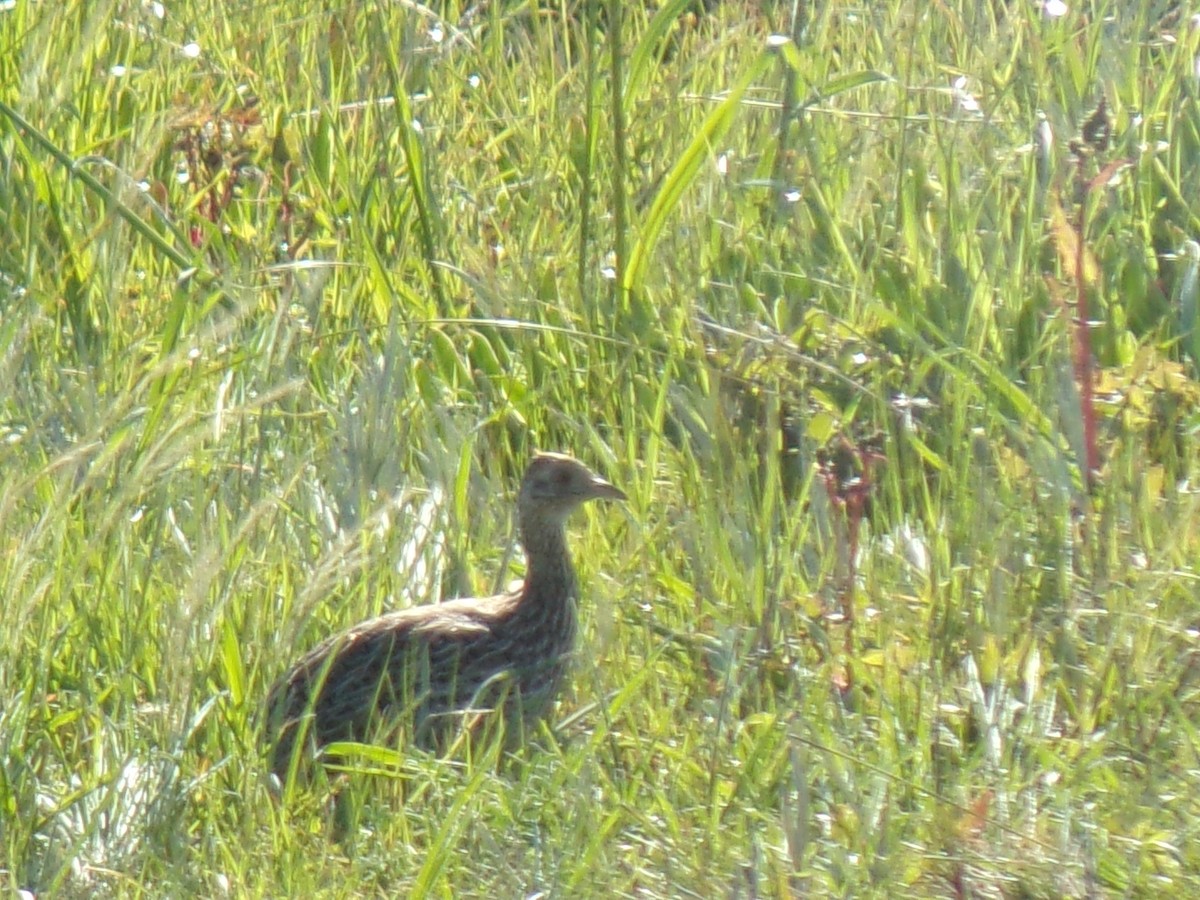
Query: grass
[[288, 296]]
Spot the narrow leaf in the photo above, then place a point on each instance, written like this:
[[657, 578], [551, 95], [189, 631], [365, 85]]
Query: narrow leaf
[[684, 173]]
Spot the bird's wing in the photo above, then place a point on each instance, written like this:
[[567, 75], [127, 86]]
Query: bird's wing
[[445, 624], [453, 627], [454, 624]]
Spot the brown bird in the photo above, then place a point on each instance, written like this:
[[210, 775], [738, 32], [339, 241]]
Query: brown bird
[[428, 664]]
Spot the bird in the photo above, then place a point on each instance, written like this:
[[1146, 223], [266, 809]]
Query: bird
[[426, 666]]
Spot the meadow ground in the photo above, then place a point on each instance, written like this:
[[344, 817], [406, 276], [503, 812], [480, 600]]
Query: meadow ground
[[883, 315]]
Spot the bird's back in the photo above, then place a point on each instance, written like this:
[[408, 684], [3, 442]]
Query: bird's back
[[416, 667]]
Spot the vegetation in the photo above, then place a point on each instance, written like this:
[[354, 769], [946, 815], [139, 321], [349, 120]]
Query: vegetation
[[877, 312]]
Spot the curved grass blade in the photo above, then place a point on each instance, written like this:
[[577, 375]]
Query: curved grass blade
[[644, 54], [684, 173]]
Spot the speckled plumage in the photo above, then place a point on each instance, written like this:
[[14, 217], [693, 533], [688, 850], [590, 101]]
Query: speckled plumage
[[426, 664]]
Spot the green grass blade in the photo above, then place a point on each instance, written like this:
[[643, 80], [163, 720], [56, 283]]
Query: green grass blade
[[684, 172]]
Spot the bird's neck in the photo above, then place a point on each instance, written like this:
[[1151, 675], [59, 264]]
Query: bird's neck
[[551, 588]]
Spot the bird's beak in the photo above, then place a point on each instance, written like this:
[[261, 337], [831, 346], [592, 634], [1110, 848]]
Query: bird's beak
[[602, 490]]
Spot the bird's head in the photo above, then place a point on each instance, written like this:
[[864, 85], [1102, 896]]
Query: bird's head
[[555, 484]]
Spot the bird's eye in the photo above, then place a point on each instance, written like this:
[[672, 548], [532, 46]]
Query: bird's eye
[[562, 477]]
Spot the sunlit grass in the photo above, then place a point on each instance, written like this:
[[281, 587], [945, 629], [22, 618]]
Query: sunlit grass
[[288, 297]]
